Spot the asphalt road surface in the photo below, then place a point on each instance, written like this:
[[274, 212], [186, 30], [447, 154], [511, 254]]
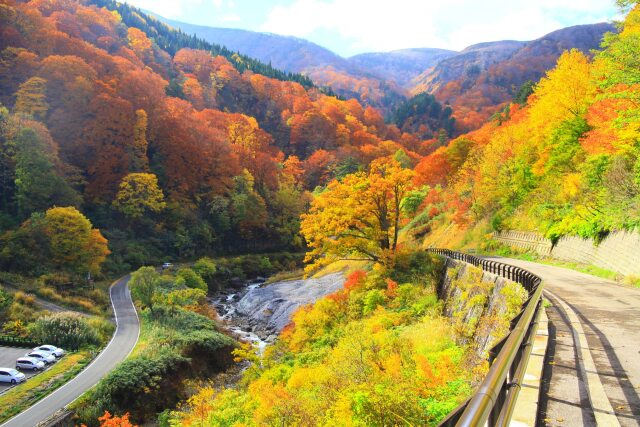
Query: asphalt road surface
[[123, 341], [606, 316]]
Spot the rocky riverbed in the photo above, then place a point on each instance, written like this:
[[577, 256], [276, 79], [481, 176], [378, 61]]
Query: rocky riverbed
[[259, 312]]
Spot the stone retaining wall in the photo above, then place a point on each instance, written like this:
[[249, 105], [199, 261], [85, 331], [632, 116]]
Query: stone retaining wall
[[477, 303], [619, 252]]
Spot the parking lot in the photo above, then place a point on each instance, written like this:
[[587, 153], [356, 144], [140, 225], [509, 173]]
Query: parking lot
[[8, 356]]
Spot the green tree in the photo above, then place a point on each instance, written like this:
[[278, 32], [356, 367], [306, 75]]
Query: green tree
[[139, 193], [144, 286], [31, 98], [206, 268], [38, 187], [248, 208], [524, 91], [191, 279], [404, 159]]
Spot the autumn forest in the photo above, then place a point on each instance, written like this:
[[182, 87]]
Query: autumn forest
[[125, 143]]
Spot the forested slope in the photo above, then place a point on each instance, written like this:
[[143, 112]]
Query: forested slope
[[566, 162], [168, 144]]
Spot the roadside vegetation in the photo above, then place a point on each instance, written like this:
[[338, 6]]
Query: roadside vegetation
[[179, 341], [379, 352]]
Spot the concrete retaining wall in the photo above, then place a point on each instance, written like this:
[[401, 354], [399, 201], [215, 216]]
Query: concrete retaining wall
[[619, 252]]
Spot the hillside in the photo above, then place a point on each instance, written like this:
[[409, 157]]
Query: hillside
[[482, 78], [401, 66], [476, 82], [171, 146], [296, 55], [287, 53], [470, 62], [564, 162]]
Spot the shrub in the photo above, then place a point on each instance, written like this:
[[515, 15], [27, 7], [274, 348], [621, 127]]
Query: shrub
[[185, 297], [372, 300], [206, 268], [24, 299], [102, 327], [15, 328], [6, 299], [49, 293], [142, 386], [21, 312], [67, 330], [191, 279], [57, 280]]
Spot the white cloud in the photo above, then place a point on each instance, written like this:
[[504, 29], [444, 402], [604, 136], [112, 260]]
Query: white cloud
[[386, 25], [231, 18], [175, 8], [166, 8]]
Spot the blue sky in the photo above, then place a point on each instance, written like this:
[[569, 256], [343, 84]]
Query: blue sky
[[349, 27]]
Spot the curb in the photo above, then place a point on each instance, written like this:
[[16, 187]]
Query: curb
[[526, 409]]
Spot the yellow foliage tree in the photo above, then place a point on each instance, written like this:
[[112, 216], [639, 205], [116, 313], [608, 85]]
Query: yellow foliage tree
[[565, 92], [31, 98], [358, 218], [74, 244], [138, 151], [139, 193]]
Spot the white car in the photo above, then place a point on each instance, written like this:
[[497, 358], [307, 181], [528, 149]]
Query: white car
[[29, 363], [11, 376], [56, 351], [166, 265], [42, 356]]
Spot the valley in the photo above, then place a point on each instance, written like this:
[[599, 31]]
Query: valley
[[301, 238]]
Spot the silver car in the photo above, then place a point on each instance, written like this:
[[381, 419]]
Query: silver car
[[56, 351], [29, 363], [42, 356], [8, 375]]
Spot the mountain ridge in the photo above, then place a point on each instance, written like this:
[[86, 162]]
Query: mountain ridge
[[475, 81]]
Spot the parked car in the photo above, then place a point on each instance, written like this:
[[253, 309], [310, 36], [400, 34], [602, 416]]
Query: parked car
[[29, 363], [42, 356], [166, 265], [56, 351], [8, 375]]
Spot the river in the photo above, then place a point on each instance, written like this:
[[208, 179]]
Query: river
[[258, 312]]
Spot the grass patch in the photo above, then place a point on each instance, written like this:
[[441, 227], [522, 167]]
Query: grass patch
[[346, 267], [26, 394], [632, 281], [284, 276]]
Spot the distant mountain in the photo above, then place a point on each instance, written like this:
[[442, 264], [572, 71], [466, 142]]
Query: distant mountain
[[401, 66], [284, 52], [471, 62], [297, 55], [478, 81]]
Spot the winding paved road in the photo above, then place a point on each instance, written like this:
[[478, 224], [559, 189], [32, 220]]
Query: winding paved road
[[605, 315], [123, 341]]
